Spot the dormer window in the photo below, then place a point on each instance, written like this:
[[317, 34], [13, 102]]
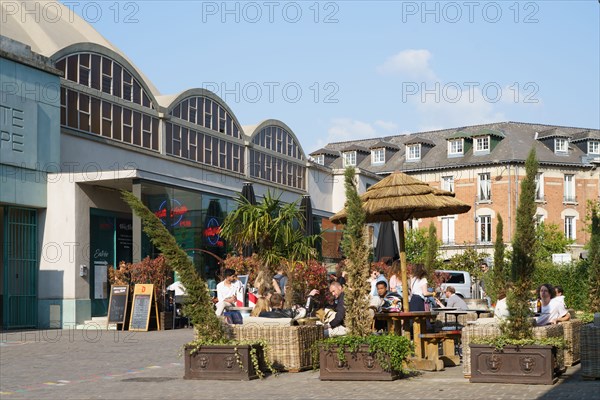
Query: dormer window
[[593, 147], [320, 159], [377, 156], [456, 147], [560, 145], [481, 144], [413, 152], [349, 159]]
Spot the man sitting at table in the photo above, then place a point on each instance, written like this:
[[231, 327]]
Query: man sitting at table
[[452, 300], [334, 325], [227, 291]]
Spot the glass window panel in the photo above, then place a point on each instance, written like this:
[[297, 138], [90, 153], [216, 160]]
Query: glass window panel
[[137, 128], [117, 123], [95, 116]]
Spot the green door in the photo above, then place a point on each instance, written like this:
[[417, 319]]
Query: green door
[[20, 261]]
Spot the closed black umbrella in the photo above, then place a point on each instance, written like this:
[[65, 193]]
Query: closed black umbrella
[[306, 208], [248, 194], [386, 247]]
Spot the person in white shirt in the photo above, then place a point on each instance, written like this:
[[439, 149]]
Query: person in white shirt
[[549, 308], [227, 291], [561, 308], [501, 308]]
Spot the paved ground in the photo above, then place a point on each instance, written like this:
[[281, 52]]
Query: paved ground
[[88, 364]]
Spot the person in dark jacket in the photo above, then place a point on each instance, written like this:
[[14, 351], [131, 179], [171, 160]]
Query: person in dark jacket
[[336, 327], [277, 310]]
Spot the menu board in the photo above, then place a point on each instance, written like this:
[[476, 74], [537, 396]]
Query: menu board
[[117, 305], [140, 310]]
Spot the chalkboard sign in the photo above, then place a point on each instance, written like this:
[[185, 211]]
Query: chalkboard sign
[[117, 305], [140, 310]]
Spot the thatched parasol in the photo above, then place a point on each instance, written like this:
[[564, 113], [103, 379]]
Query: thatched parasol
[[400, 197]]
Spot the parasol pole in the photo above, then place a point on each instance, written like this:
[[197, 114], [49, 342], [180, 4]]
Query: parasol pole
[[401, 245]]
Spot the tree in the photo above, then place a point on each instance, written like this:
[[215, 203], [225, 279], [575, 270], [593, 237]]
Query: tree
[[469, 260], [199, 307], [523, 259], [272, 228], [431, 252], [594, 260], [416, 244], [499, 274], [549, 240], [358, 321]]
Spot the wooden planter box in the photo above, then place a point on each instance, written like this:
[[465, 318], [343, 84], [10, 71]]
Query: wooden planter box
[[166, 320], [359, 366], [534, 365], [222, 363]]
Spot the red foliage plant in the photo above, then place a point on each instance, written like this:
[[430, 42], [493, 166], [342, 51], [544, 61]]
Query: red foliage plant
[[308, 276], [243, 266], [155, 271]]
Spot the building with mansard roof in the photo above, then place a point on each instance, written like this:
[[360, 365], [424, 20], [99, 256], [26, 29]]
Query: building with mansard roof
[[484, 165]]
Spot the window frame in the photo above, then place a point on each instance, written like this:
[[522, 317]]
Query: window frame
[[413, 152], [349, 158], [448, 230], [570, 227], [569, 195], [448, 183], [539, 187], [481, 144], [484, 228], [593, 147], [561, 145], [378, 156], [451, 150], [480, 187]]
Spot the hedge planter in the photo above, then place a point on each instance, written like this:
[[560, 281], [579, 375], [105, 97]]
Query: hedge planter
[[356, 366], [224, 362], [534, 365]]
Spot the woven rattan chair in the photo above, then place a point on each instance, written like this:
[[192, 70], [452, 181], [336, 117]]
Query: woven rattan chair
[[590, 351], [289, 347], [572, 329]]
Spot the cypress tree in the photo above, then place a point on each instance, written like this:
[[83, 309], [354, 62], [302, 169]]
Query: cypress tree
[[432, 250], [198, 308], [358, 321], [499, 273], [523, 257], [594, 261]]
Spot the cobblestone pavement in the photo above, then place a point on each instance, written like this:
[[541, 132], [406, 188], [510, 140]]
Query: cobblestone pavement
[[90, 364]]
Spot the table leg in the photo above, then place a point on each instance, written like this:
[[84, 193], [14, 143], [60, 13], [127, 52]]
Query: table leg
[[418, 327]]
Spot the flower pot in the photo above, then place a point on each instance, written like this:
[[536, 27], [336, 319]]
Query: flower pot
[[358, 366], [223, 362], [514, 364]]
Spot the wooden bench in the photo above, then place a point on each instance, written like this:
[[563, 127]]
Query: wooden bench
[[447, 338]]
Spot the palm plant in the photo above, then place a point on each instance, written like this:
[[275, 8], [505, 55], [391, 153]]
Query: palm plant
[[272, 228]]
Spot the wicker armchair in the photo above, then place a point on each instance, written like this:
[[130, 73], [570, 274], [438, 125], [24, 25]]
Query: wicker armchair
[[590, 351], [492, 330], [572, 329], [289, 347]]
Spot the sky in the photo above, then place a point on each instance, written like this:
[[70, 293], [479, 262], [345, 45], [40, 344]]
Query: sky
[[347, 70]]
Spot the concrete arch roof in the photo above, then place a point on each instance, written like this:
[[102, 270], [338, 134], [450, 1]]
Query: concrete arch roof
[[170, 101], [49, 27], [253, 130]]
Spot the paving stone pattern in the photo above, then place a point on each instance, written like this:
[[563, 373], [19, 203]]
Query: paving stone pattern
[[90, 364]]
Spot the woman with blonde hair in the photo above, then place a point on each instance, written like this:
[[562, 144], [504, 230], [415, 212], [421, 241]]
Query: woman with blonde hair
[[262, 304], [395, 279]]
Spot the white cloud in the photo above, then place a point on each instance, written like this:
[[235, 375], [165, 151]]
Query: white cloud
[[455, 108], [410, 63], [388, 126], [345, 129]]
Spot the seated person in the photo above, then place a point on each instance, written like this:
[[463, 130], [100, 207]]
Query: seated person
[[561, 309], [334, 326], [501, 308], [262, 304], [227, 291], [376, 277], [277, 310], [452, 300], [549, 310], [279, 281]]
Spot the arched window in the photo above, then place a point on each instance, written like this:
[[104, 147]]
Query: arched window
[[207, 113], [104, 110]]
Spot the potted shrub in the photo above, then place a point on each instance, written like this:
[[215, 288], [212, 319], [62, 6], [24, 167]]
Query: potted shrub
[[515, 356], [360, 355], [211, 355]]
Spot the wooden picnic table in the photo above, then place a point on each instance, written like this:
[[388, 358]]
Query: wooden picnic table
[[395, 320]]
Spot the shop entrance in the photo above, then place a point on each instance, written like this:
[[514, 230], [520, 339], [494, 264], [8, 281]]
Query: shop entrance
[[110, 243], [18, 267]]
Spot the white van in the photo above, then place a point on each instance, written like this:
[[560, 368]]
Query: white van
[[459, 280]]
